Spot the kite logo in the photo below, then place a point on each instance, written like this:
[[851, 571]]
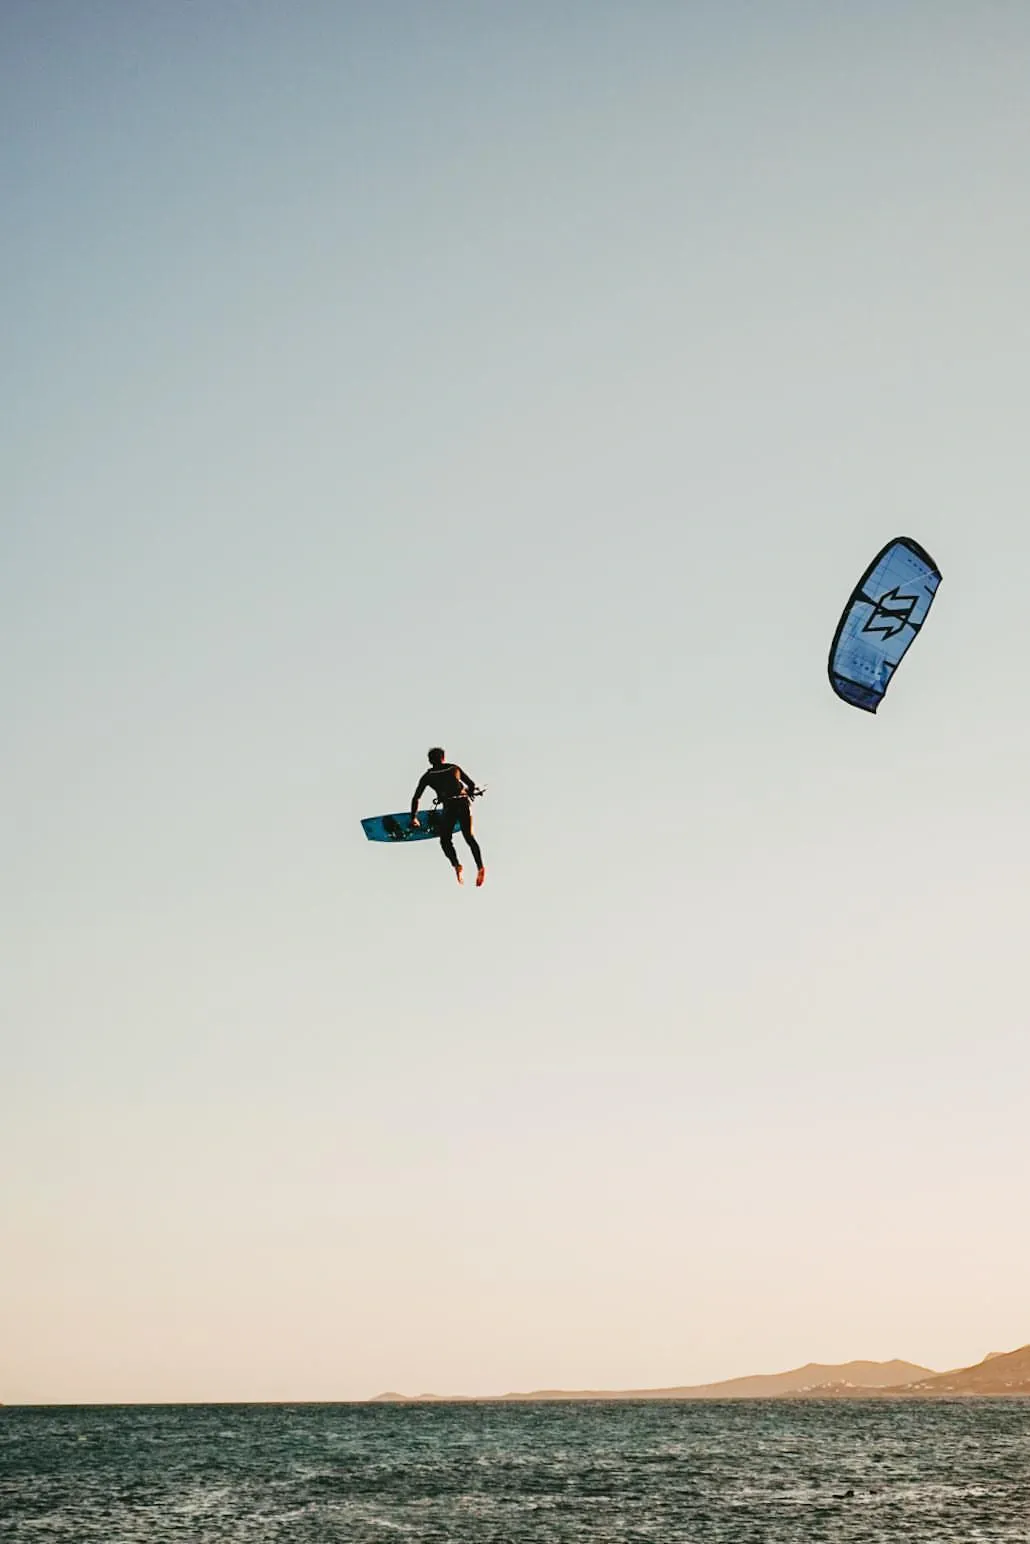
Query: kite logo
[[890, 619]]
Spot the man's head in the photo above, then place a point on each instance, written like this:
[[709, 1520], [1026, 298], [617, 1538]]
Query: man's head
[[436, 756]]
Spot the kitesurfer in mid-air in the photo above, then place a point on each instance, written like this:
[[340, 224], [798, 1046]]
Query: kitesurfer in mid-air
[[454, 790]]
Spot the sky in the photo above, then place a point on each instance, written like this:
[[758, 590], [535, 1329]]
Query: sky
[[535, 380]]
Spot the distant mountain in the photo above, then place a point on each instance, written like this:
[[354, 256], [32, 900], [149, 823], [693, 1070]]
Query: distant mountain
[[857, 1376], [863, 1375], [1003, 1372], [999, 1374]]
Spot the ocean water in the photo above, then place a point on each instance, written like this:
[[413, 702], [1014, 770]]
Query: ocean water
[[730, 1473]]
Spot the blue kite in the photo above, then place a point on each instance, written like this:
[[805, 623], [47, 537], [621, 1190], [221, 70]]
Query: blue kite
[[888, 606]]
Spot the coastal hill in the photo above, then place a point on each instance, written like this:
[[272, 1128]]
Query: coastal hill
[[800, 1380], [1000, 1374]]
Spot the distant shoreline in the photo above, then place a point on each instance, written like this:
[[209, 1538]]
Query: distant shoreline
[[824, 1396], [380, 1401]]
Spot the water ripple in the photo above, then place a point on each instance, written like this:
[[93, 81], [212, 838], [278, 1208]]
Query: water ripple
[[715, 1473]]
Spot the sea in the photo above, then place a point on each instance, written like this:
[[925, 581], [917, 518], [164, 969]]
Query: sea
[[754, 1472]]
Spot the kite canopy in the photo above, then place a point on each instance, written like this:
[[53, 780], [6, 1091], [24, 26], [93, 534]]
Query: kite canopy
[[888, 606]]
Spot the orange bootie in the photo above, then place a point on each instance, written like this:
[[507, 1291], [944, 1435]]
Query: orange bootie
[[480, 877], [457, 873]]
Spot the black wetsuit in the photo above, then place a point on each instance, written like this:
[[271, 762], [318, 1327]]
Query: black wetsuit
[[453, 788]]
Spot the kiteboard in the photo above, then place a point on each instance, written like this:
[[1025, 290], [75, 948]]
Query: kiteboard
[[398, 828]]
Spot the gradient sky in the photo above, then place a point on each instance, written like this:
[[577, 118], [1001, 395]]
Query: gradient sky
[[536, 379]]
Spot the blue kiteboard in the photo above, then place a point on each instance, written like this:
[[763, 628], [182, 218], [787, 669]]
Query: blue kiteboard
[[397, 828]]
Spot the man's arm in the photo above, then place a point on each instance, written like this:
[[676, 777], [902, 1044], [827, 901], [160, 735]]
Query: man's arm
[[419, 791], [469, 784]]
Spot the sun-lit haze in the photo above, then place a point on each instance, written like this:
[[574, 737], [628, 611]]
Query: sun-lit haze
[[535, 380]]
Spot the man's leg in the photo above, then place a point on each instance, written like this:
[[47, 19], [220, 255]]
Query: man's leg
[[444, 822], [465, 820]]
